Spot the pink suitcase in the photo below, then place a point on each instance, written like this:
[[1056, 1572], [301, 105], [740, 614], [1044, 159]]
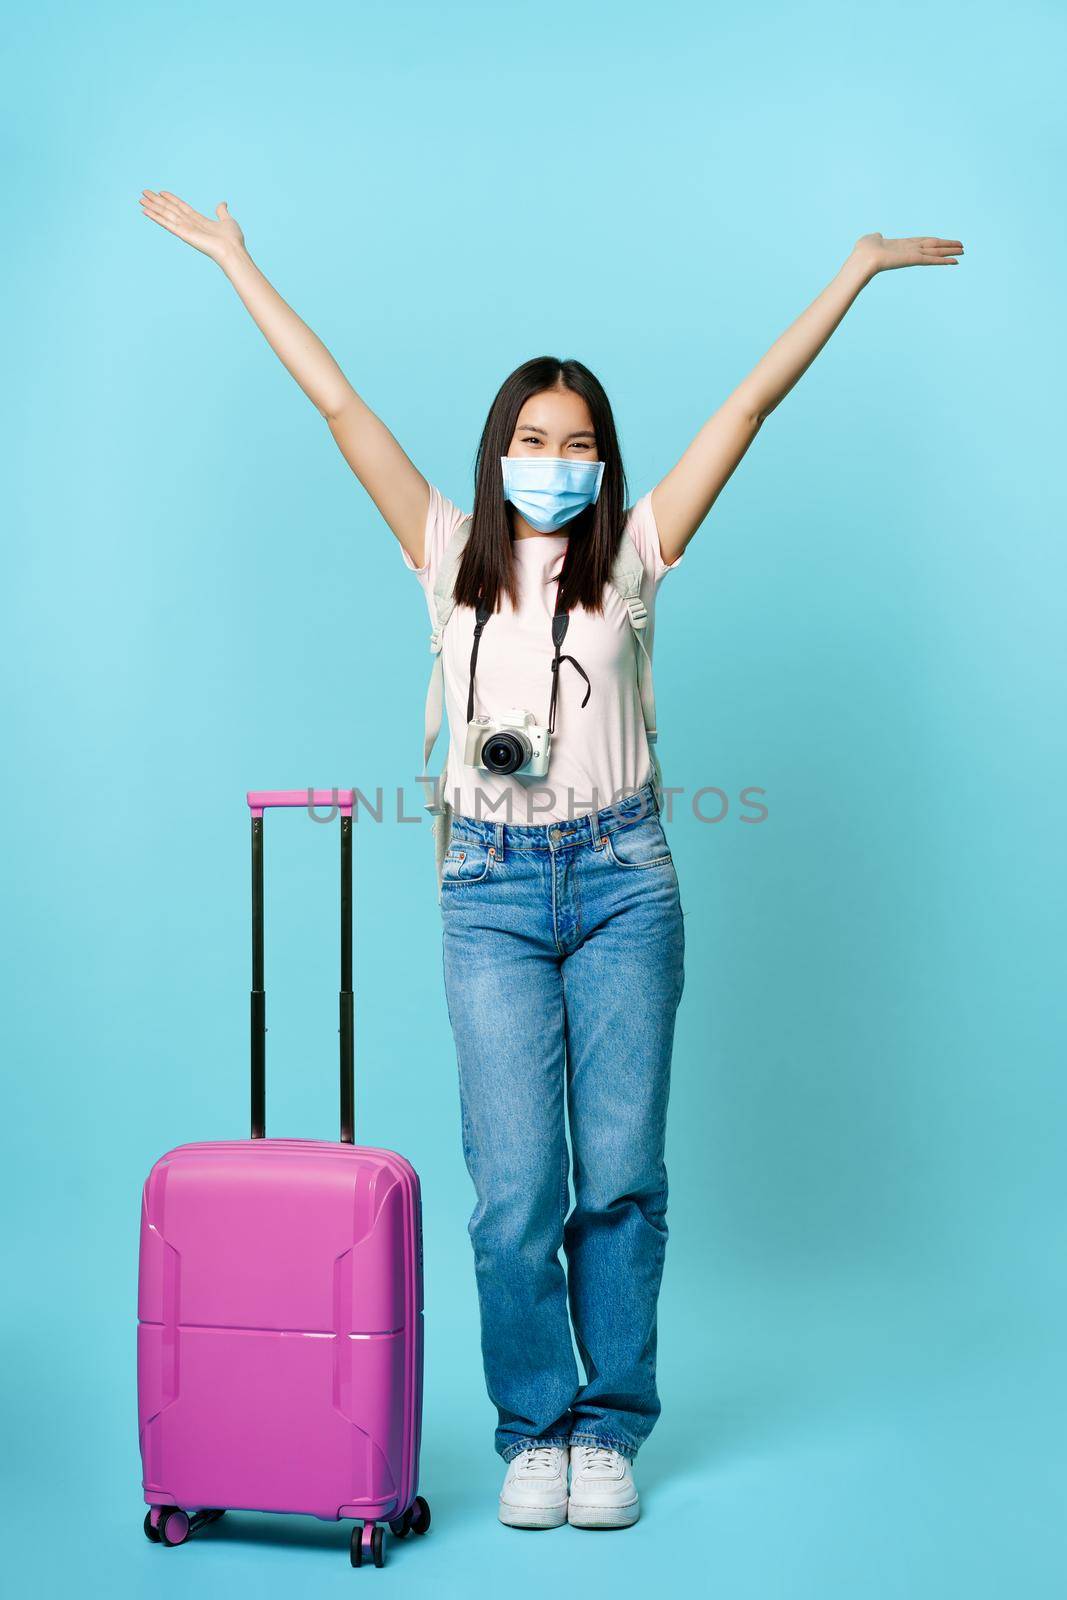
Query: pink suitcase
[[280, 1312]]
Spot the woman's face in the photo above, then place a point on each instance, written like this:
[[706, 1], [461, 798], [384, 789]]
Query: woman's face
[[556, 422]]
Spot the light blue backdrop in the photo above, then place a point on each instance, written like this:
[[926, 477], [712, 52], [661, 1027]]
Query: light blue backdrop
[[863, 1319]]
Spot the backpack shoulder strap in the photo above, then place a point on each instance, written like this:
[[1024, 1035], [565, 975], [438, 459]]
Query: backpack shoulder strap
[[444, 603], [444, 599], [627, 574]]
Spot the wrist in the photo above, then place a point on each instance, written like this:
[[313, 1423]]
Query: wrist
[[230, 256], [860, 267]]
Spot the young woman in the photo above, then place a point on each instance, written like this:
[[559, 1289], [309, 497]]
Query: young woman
[[563, 935]]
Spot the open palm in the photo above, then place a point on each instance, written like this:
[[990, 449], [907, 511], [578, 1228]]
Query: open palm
[[919, 252], [203, 233]]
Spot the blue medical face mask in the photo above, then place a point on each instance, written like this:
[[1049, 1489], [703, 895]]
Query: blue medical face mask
[[549, 491]]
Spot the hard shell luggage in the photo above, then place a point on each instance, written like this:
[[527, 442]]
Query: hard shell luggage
[[280, 1307]]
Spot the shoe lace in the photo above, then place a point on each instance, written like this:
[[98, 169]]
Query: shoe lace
[[537, 1455], [596, 1455]]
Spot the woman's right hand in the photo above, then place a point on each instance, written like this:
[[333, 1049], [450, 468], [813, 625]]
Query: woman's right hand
[[214, 238], [393, 482]]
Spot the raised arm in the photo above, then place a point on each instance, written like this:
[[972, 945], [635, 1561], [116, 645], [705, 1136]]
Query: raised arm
[[393, 482], [684, 497]]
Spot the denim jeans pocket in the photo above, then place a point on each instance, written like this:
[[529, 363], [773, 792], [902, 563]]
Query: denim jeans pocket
[[467, 861], [639, 844]]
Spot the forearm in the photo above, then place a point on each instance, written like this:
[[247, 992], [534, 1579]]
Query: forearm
[[791, 355], [300, 351]]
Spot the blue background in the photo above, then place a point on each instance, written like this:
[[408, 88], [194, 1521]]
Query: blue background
[[863, 1318]]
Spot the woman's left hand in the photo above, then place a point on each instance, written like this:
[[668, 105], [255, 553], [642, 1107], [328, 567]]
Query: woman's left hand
[[687, 493], [878, 253]]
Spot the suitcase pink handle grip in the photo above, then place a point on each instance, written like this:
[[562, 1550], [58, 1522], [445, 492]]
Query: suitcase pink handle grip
[[260, 799]]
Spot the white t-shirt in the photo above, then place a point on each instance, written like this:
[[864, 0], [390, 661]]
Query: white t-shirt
[[597, 753]]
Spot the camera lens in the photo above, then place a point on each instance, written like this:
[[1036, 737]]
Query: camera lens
[[506, 752]]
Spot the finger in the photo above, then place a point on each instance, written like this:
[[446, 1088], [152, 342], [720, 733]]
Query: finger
[[175, 200], [178, 217], [167, 217], [178, 232], [182, 209], [158, 211]]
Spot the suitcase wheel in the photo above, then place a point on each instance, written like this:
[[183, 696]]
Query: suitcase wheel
[[170, 1525], [174, 1526], [367, 1545], [416, 1519]]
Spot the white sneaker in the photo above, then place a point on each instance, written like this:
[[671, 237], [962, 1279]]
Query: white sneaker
[[535, 1488], [603, 1493]]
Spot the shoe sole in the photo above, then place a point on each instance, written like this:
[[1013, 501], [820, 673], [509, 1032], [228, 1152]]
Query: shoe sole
[[533, 1516], [603, 1516]]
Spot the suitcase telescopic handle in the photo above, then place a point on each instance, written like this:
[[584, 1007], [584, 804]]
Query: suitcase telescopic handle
[[260, 799], [339, 800]]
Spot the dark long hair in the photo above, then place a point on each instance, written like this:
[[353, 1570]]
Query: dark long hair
[[488, 570]]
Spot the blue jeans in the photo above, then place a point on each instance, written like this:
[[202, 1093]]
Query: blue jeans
[[563, 960]]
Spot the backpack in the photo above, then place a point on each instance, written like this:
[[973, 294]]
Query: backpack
[[626, 574]]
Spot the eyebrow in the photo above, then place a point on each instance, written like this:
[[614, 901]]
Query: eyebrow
[[531, 427]]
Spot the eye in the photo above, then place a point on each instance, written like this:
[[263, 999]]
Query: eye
[[529, 441]]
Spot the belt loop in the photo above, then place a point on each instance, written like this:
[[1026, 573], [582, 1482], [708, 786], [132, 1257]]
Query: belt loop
[[594, 829], [499, 834]]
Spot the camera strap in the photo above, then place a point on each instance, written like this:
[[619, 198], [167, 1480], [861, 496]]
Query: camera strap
[[481, 617], [560, 623]]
